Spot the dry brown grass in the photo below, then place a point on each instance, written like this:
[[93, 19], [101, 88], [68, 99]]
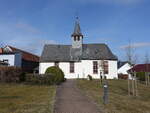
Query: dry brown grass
[[119, 101], [17, 98]]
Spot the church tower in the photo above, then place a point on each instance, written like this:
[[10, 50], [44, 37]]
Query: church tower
[[77, 37]]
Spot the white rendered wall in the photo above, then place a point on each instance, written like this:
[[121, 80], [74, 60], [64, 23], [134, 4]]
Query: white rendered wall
[[13, 59], [82, 69], [112, 70], [65, 66], [44, 66], [9, 57], [87, 68]]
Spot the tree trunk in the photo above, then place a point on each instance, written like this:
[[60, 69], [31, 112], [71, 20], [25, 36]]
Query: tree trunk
[[136, 85], [128, 86], [101, 79], [145, 79], [133, 90], [148, 74]]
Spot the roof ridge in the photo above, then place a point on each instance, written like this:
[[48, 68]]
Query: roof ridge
[[22, 50], [94, 44], [58, 44]]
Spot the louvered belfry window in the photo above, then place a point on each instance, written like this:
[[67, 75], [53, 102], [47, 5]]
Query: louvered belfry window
[[75, 38], [95, 67], [71, 67]]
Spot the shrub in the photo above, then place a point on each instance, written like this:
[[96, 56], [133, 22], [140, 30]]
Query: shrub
[[90, 77], [58, 74], [22, 77], [141, 76], [45, 79], [41, 79], [10, 74]]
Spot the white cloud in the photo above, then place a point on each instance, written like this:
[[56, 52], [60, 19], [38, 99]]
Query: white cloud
[[27, 27], [23, 36], [111, 1], [33, 45], [136, 45]]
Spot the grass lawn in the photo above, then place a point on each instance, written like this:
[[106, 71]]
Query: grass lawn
[[19, 98], [119, 101]]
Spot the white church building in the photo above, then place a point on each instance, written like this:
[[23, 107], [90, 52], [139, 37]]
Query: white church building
[[79, 60]]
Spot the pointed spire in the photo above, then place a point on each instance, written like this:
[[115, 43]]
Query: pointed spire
[[77, 30]]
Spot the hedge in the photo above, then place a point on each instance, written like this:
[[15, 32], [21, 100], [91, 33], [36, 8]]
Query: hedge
[[45, 79], [54, 75], [10, 74], [141, 76]]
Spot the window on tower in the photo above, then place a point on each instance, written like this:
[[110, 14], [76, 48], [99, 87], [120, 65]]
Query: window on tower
[[78, 38], [75, 38]]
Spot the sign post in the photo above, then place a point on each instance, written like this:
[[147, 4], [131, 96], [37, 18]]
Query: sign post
[[105, 94]]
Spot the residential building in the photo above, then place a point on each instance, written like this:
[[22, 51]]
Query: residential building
[[19, 58]]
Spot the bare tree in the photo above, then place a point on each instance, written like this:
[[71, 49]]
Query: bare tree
[[136, 84], [147, 61], [132, 59], [147, 58], [129, 86]]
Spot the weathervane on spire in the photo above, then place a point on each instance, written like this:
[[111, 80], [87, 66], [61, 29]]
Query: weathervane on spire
[[77, 16], [77, 30]]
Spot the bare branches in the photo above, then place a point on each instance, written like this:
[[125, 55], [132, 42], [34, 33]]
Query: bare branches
[[130, 54], [132, 59]]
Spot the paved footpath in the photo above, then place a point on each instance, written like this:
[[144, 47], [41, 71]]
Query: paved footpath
[[69, 99]]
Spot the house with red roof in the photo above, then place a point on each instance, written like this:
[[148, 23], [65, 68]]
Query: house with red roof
[[19, 58], [140, 68]]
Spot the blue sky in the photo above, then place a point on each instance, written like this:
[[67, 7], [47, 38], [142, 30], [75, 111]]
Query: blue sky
[[29, 24]]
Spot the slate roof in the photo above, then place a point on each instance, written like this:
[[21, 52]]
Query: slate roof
[[65, 53]]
